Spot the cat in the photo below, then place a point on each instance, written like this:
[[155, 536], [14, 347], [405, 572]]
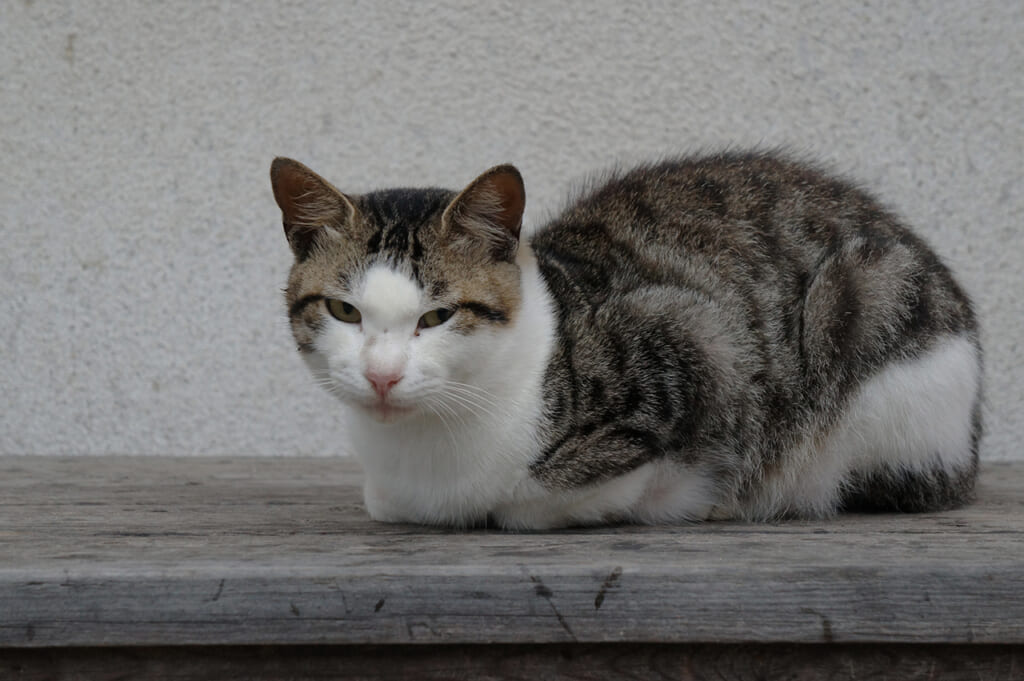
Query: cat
[[731, 336]]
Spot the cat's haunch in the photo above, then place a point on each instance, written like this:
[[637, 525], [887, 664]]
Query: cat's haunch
[[729, 336]]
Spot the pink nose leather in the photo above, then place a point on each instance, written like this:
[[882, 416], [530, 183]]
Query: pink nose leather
[[382, 382]]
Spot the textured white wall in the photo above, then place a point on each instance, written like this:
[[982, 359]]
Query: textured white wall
[[142, 253]]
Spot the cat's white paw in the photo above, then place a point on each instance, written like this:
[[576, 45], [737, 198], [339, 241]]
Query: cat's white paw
[[381, 508]]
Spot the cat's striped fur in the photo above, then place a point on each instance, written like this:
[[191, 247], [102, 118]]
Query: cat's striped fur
[[736, 335]]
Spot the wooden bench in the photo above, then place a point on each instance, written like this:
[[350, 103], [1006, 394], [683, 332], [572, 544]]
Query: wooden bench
[[175, 568]]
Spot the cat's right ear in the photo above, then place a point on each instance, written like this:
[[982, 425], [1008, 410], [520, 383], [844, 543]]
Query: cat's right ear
[[310, 206]]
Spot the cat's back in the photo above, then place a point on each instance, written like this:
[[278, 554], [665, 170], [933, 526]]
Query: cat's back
[[760, 225]]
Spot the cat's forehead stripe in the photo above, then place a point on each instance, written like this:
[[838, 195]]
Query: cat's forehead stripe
[[397, 216], [405, 205]]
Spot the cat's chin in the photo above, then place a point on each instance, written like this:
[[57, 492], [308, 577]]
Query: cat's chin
[[388, 413]]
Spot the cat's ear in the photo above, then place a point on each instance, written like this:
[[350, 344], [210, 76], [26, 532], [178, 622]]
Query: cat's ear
[[489, 213], [310, 206]]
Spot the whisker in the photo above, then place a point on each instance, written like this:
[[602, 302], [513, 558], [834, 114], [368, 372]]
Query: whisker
[[451, 435], [475, 390], [455, 414], [468, 404], [478, 396]]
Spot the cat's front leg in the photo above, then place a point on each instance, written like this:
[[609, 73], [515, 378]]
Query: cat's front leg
[[398, 504], [540, 506], [607, 478], [381, 506]]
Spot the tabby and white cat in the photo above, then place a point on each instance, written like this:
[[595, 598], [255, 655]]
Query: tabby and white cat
[[733, 336]]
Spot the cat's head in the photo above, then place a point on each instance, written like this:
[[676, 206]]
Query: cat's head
[[395, 296]]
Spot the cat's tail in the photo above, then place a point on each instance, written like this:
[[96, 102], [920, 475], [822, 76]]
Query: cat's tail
[[910, 491]]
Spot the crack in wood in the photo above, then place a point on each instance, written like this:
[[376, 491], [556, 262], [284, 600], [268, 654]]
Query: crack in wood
[[547, 594], [610, 582], [827, 634], [220, 590]]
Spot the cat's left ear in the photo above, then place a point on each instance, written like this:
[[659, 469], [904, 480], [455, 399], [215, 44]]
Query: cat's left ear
[[489, 213]]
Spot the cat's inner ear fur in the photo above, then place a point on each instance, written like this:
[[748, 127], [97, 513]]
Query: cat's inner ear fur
[[310, 206], [488, 214]]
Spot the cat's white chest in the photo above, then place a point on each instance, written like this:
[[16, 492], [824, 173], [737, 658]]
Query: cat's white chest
[[448, 474]]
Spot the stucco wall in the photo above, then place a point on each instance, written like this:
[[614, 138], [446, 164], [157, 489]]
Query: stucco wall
[[142, 253]]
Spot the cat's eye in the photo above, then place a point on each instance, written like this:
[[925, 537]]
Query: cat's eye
[[435, 318], [343, 312]]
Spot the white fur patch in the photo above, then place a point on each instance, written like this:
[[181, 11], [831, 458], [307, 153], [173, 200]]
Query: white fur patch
[[388, 300], [915, 414]]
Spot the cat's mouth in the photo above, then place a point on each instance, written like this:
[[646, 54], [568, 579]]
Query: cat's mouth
[[386, 412]]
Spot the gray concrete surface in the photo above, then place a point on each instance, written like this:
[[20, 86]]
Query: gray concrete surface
[[142, 252]]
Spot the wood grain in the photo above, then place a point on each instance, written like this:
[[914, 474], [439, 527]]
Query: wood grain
[[123, 551]]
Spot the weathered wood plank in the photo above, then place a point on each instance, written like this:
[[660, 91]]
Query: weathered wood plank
[[584, 662], [162, 551]]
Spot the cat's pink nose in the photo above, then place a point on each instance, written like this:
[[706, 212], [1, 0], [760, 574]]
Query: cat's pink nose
[[383, 382]]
